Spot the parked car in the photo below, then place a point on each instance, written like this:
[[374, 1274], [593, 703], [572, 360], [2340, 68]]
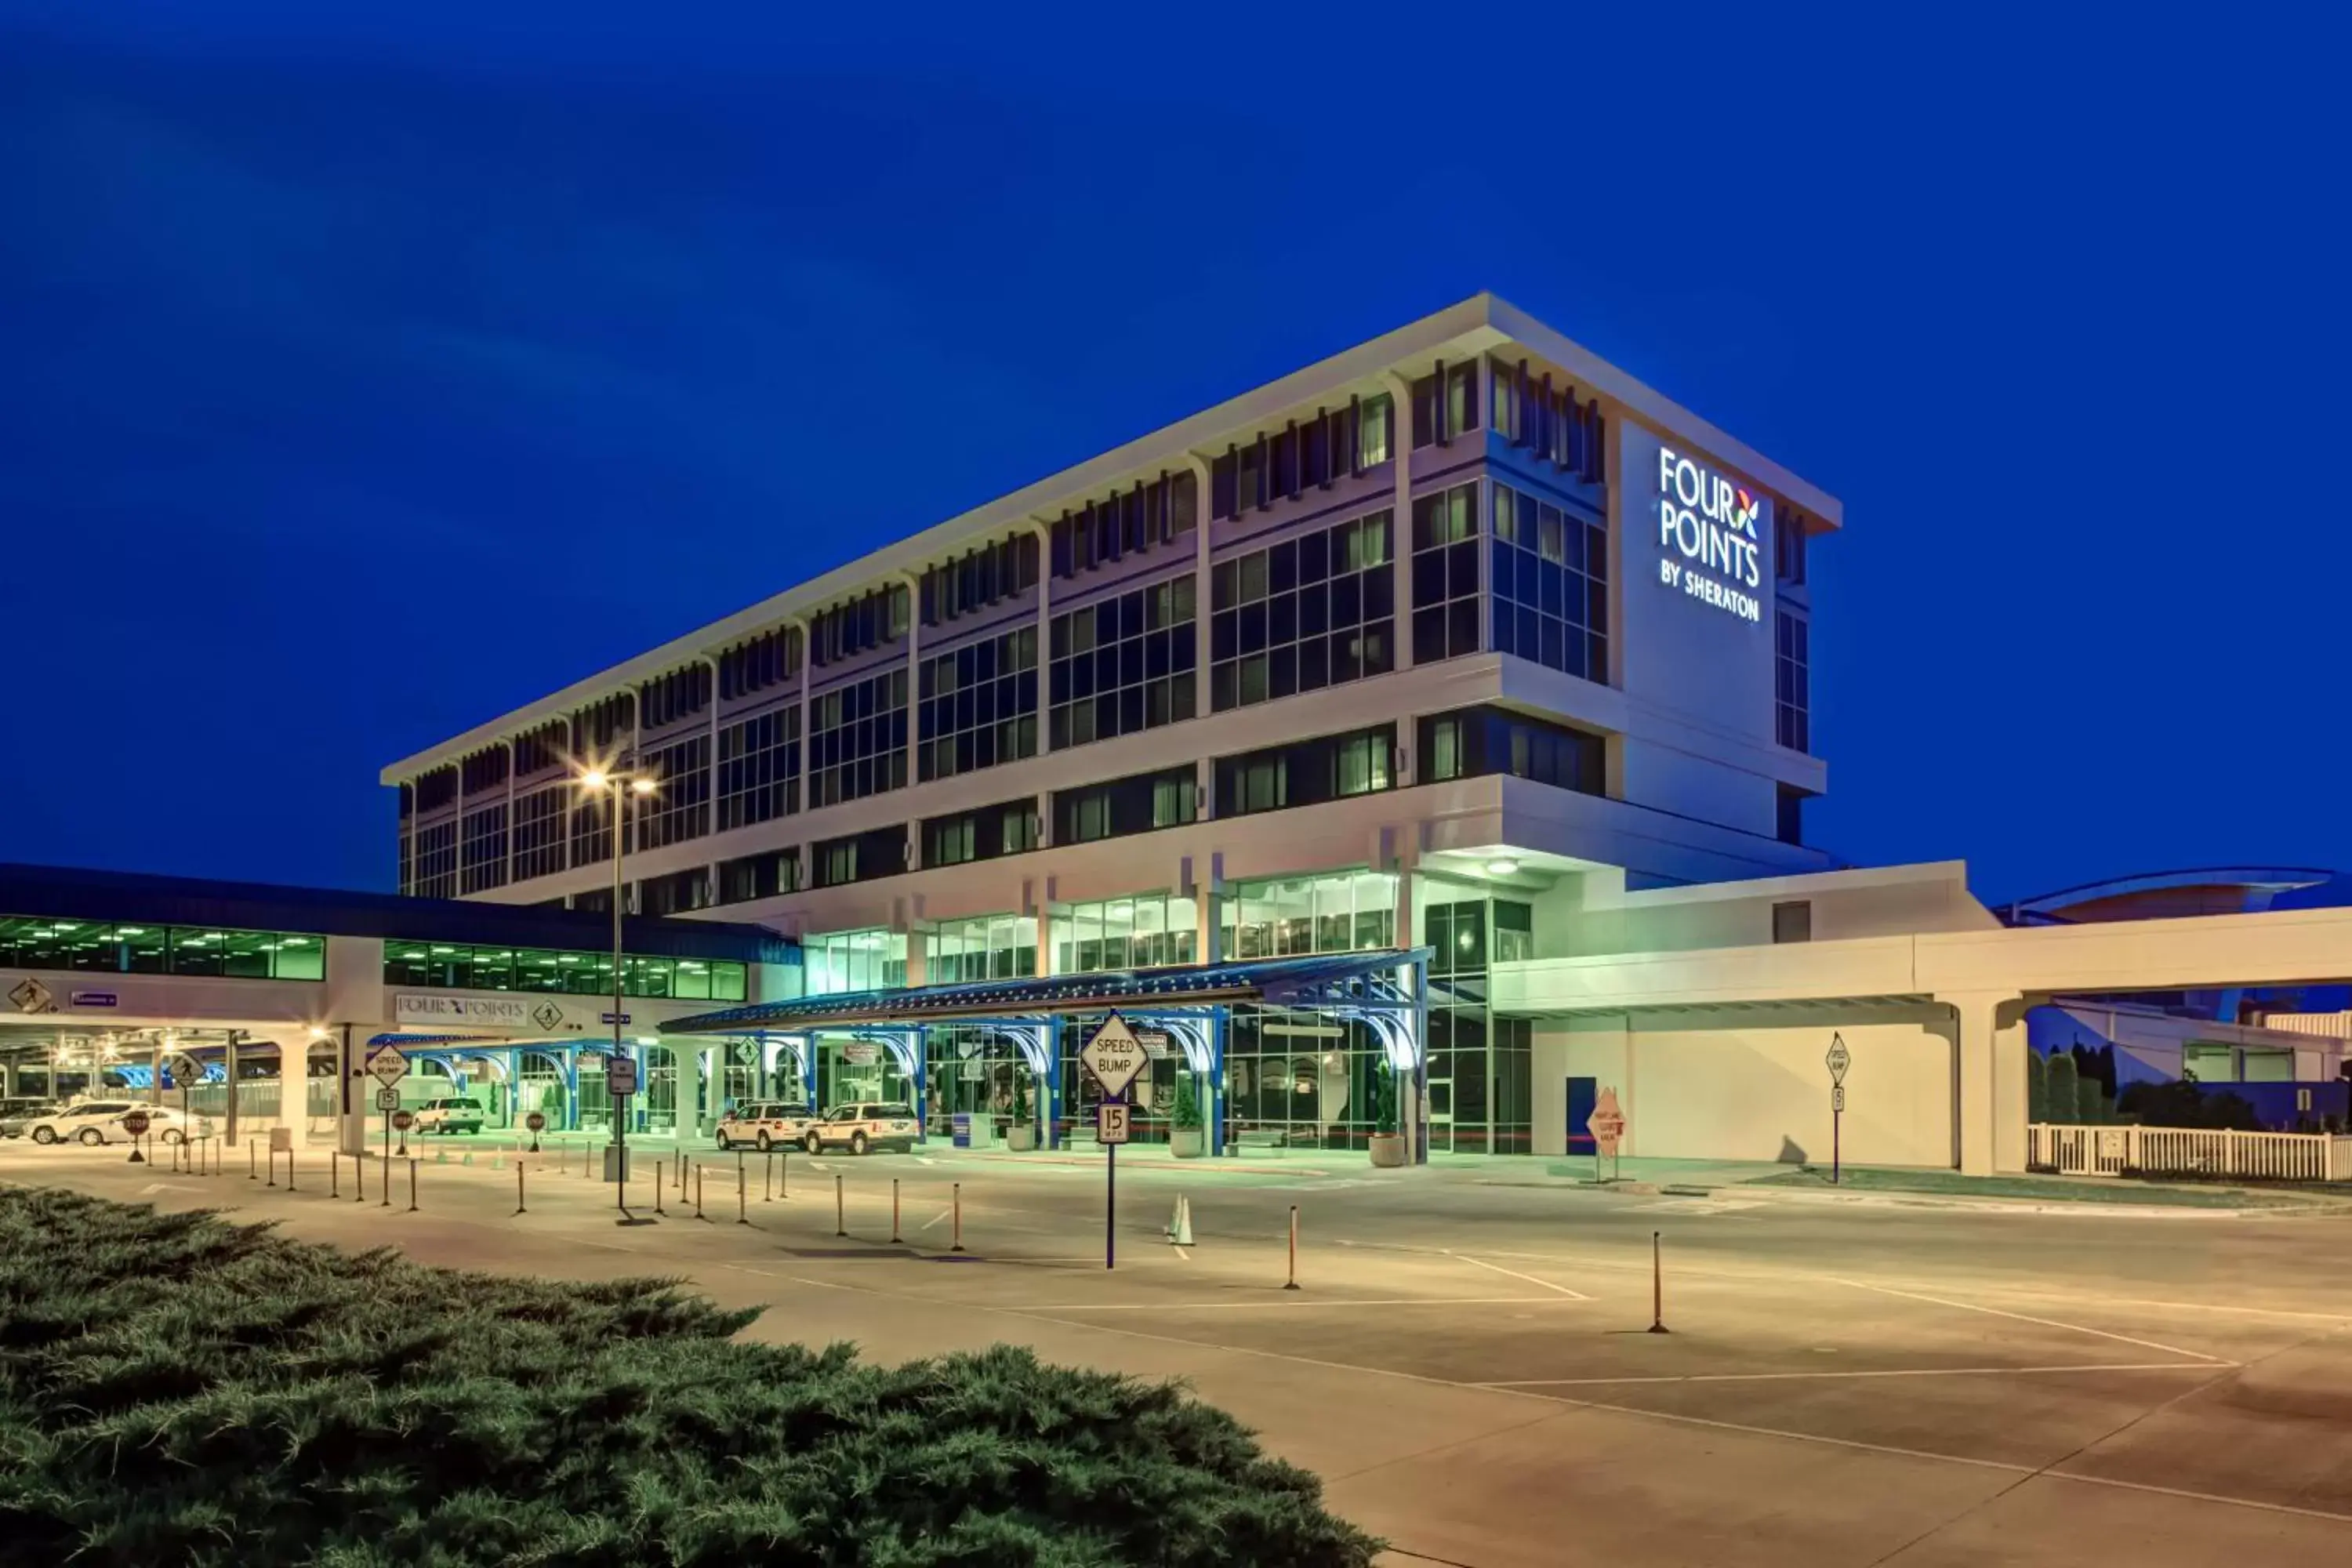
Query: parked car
[[96, 1122], [765, 1123], [18, 1116], [862, 1127], [456, 1114]]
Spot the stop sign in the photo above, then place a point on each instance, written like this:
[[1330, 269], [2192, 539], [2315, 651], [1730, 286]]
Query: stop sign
[[403, 1120], [535, 1121], [134, 1122]]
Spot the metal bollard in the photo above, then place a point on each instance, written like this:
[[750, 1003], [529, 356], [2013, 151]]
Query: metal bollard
[[784, 1177], [252, 1170], [697, 1192], [334, 1173], [289, 1170], [387, 1184], [956, 1196], [1658, 1290], [661, 1172], [519, 1199], [895, 1239], [742, 1192], [768, 1182], [1293, 1283], [412, 1186], [839, 1226]]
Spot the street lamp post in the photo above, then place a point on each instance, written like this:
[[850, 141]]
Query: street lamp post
[[623, 785]]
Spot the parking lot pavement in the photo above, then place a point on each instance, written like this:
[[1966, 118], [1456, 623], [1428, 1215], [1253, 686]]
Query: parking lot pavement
[[1469, 1367]]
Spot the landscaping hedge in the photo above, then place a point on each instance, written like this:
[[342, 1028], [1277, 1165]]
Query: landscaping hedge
[[177, 1389]]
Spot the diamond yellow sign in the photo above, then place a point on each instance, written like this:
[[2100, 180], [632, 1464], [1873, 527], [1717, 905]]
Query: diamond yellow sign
[[1114, 1056]]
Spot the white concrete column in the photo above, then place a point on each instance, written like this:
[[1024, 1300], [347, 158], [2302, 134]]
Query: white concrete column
[[1983, 1086], [693, 1061]]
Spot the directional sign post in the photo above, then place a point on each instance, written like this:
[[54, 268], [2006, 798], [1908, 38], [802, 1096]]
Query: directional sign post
[[1113, 1056], [135, 1122], [619, 1083], [387, 1066], [1838, 1060], [185, 1070]]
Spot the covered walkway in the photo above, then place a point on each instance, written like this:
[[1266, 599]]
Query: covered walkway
[[1183, 1012]]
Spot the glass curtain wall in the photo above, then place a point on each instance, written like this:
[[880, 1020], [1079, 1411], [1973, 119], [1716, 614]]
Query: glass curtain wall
[[1146, 932], [1480, 1067], [1152, 1094], [1346, 911], [843, 960], [848, 1071], [973, 1070], [986, 947], [1297, 1078]]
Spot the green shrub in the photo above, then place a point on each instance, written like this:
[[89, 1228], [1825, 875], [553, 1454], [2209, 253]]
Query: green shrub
[[2037, 1087], [2063, 1090], [177, 1389], [1187, 1112]]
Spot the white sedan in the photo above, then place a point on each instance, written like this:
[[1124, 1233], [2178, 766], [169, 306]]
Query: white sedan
[[98, 1122]]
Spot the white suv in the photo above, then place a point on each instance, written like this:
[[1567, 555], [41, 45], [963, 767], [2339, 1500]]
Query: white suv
[[859, 1128], [455, 1115], [763, 1124]]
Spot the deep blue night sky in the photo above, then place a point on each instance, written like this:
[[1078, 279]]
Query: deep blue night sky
[[365, 378]]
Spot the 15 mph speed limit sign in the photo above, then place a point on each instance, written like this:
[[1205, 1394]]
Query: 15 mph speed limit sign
[[1111, 1124]]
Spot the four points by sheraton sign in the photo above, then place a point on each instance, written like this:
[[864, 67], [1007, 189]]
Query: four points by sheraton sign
[[1710, 523]]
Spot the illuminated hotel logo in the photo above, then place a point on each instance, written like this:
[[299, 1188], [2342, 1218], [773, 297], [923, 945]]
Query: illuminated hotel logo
[[1710, 524]]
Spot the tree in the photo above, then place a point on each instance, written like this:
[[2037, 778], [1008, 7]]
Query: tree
[[1384, 1100], [2037, 1087], [2064, 1090], [2091, 1102], [1187, 1113]]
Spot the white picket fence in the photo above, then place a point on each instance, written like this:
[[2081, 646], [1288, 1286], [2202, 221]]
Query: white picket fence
[[2188, 1152]]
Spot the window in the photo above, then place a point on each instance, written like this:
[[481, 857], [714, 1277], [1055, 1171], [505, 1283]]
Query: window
[[843, 960], [978, 705], [482, 849], [669, 699], [458, 967], [1789, 824], [1302, 614], [1788, 546], [437, 789], [1147, 931], [535, 751], [1792, 707], [1515, 931], [676, 892], [1793, 921], [1445, 404], [591, 826], [1552, 424], [768, 660], [1134, 805], [858, 739], [406, 873], [679, 809], [1307, 773], [483, 771], [100, 947], [1123, 523], [596, 729], [760, 768], [1471, 743], [986, 574], [1335, 444], [981, 834], [1445, 575], [857, 626], [760, 876], [538, 832], [859, 856], [436, 861], [987, 947], [1123, 665], [1551, 584], [1349, 911]]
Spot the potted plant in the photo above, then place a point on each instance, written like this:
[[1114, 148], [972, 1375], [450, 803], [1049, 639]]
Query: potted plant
[[1388, 1143], [1186, 1141], [1021, 1136]]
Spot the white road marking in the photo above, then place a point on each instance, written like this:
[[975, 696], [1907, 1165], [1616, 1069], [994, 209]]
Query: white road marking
[[935, 1219], [2044, 1322], [1514, 1274], [1285, 1303], [1892, 1371]]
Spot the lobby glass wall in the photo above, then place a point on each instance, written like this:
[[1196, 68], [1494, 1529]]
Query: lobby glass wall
[[973, 1070], [1480, 1067], [459, 967], [1146, 932], [986, 947], [1346, 911], [842, 961], [1297, 1078], [848, 1071], [98, 947]]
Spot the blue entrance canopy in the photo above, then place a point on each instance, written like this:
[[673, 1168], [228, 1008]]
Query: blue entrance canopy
[[1352, 980]]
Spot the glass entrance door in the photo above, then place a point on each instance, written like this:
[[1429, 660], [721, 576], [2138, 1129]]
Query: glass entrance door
[[1441, 1115]]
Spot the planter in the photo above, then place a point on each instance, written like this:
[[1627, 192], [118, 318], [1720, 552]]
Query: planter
[[1021, 1138], [1388, 1149], [1187, 1143]]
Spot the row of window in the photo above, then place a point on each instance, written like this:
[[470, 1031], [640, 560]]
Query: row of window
[[668, 698], [679, 808], [482, 849], [760, 768], [1792, 699], [1550, 601], [1472, 742], [483, 770], [981, 834], [1302, 614], [768, 660], [984, 575], [100, 947], [857, 626], [539, 748], [1138, 804], [1551, 424], [457, 966], [1154, 512], [857, 740], [1123, 665], [1307, 773], [1279, 465], [978, 705], [859, 856]]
